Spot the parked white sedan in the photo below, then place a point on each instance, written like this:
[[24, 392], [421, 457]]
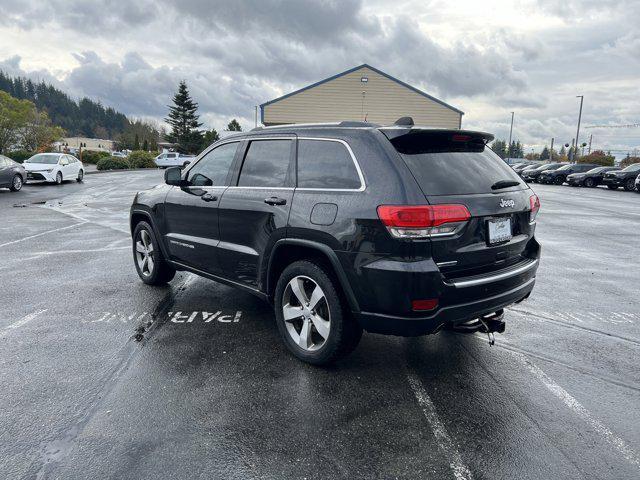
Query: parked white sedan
[[54, 167], [173, 159]]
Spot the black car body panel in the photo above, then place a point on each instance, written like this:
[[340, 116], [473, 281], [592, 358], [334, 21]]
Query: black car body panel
[[244, 235], [559, 176], [532, 175], [590, 178], [623, 178]]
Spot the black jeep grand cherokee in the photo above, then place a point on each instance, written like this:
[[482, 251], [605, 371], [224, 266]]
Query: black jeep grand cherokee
[[398, 230]]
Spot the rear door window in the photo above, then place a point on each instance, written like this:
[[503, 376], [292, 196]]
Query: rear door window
[[267, 163], [212, 169], [326, 164], [444, 166]]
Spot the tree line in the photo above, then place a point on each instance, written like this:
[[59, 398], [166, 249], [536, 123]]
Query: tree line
[[84, 118]]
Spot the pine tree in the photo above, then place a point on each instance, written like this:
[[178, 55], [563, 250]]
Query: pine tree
[[136, 143], [184, 121], [234, 126], [545, 153]]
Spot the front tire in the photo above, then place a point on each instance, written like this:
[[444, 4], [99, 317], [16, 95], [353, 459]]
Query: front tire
[[558, 180], [313, 321], [16, 183], [589, 183], [630, 185], [151, 266], [59, 178]]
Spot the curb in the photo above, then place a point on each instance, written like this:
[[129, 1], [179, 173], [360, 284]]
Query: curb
[[94, 172]]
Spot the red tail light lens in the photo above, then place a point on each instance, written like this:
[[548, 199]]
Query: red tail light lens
[[423, 305], [422, 221], [534, 203]]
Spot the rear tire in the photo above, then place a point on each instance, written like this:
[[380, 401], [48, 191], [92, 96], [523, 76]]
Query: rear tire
[[80, 176], [318, 328], [16, 183], [589, 183], [558, 180], [150, 264], [630, 185]]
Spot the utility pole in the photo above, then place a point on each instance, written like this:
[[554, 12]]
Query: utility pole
[[590, 138], [510, 132], [551, 151], [581, 97]]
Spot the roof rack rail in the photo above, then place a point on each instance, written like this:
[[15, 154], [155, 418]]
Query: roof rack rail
[[344, 123]]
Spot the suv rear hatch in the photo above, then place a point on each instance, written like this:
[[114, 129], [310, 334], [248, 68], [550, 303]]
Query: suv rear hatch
[[456, 167]]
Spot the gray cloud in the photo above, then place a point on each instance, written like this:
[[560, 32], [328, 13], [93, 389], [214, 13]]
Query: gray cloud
[[240, 54]]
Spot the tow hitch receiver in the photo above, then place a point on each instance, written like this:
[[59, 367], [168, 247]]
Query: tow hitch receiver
[[488, 324]]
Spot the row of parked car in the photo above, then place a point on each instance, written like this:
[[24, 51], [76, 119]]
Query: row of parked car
[[580, 175]]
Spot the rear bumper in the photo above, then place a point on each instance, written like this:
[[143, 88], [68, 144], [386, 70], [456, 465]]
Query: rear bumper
[[394, 284], [415, 326]]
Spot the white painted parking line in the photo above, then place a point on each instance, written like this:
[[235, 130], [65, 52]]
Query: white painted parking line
[[23, 321], [570, 402], [41, 234], [460, 470], [616, 442]]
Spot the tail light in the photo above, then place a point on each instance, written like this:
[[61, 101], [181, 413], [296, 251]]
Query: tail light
[[422, 221], [534, 203]]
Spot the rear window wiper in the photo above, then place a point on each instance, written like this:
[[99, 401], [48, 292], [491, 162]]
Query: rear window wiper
[[504, 184]]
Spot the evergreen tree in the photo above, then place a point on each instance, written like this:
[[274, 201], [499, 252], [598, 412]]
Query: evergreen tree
[[145, 145], [184, 121], [563, 151], [545, 153], [500, 148], [136, 143], [210, 136], [234, 126]]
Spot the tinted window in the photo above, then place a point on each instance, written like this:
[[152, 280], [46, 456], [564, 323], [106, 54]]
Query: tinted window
[[4, 162], [325, 164], [632, 168], [266, 164], [443, 167], [213, 168]]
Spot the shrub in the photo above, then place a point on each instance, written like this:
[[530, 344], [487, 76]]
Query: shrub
[[112, 163], [598, 157], [20, 155], [141, 159], [93, 157], [629, 161]]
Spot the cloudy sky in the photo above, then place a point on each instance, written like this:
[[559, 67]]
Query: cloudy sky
[[487, 58]]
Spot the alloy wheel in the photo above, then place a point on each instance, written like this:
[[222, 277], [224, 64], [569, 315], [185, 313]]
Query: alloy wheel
[[306, 313], [144, 253], [17, 183]]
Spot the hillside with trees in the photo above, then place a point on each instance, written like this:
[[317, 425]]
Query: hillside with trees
[[84, 118]]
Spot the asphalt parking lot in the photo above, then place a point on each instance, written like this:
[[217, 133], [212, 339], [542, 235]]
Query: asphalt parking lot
[[105, 377]]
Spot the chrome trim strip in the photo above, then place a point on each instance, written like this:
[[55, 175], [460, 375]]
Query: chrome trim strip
[[363, 185], [495, 278], [447, 264]]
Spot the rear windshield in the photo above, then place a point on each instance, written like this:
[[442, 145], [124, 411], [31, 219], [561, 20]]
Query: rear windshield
[[632, 168], [445, 167]]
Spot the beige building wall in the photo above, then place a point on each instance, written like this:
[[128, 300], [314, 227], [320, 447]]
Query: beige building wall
[[380, 100]]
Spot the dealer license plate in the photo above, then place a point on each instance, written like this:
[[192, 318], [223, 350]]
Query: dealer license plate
[[499, 230]]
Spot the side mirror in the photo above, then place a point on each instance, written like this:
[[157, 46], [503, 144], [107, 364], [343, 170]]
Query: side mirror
[[186, 163], [173, 176]]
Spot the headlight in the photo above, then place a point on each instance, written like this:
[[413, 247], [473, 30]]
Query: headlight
[[49, 171]]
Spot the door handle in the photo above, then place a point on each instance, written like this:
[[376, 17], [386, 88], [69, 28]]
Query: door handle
[[207, 197], [275, 201]]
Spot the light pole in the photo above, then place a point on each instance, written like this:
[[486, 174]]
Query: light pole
[[581, 97], [510, 132]]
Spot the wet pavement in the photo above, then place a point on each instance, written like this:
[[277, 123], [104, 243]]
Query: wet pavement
[[105, 377]]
